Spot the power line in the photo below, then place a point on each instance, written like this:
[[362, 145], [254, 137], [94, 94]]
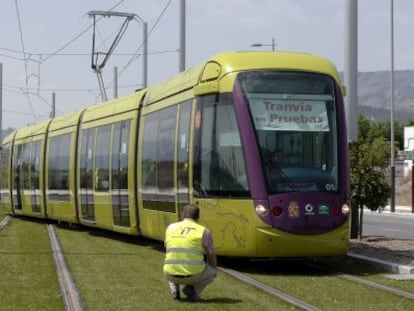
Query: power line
[[76, 54], [139, 48], [24, 54], [79, 35], [18, 89]]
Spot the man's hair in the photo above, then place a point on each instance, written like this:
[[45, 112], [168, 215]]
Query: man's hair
[[190, 211]]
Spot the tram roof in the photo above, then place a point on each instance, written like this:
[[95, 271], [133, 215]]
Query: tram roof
[[223, 64]]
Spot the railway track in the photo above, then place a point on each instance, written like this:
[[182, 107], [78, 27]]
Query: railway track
[[388, 289], [69, 293], [71, 297], [302, 303], [270, 290], [4, 221]]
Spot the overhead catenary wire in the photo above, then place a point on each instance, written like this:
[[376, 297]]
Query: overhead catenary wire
[[137, 54], [24, 54], [26, 59], [43, 57], [79, 35]]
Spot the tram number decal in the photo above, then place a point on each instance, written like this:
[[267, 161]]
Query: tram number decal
[[330, 187]]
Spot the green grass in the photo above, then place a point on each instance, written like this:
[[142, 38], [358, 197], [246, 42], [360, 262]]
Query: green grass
[[3, 212], [114, 274], [328, 292], [28, 279], [369, 272]]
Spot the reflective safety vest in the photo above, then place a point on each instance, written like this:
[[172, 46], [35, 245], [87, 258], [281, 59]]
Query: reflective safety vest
[[184, 250]]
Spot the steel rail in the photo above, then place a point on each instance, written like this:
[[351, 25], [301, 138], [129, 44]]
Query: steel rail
[[71, 297], [5, 221], [369, 283], [270, 290]]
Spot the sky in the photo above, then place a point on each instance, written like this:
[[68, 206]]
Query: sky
[[46, 45]]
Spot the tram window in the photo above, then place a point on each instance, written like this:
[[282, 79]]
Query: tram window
[[166, 143], [183, 148], [87, 142], [31, 165], [158, 159], [25, 167], [295, 113], [35, 165], [103, 135], [58, 166], [16, 179], [4, 176], [120, 146], [219, 161], [149, 151]]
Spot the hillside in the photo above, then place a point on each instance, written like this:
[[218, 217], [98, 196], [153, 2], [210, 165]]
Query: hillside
[[374, 94]]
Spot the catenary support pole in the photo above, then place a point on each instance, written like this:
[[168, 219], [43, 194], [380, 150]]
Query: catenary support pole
[[1, 101], [145, 55], [53, 112], [115, 82], [392, 158], [181, 64], [351, 83]]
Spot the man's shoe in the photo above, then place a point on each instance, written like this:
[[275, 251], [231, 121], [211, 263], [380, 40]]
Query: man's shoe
[[190, 292], [175, 294]]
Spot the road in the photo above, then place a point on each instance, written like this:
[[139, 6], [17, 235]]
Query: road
[[392, 225]]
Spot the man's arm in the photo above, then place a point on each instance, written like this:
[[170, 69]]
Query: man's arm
[[208, 246]]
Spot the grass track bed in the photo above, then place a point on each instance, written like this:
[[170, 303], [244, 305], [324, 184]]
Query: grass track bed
[[325, 290], [368, 271], [28, 278], [114, 274]]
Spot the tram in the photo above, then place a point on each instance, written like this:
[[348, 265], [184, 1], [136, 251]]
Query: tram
[[256, 139]]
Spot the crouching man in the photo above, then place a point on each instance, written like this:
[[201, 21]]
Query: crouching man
[[190, 259]]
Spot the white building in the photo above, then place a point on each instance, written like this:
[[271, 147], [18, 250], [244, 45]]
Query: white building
[[408, 152]]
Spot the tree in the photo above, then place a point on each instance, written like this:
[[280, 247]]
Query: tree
[[368, 157]]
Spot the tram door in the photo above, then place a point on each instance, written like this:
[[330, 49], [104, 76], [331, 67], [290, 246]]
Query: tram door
[[16, 187], [119, 192], [86, 175]]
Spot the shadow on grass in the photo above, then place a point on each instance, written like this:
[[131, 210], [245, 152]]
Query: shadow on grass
[[307, 267], [215, 300]]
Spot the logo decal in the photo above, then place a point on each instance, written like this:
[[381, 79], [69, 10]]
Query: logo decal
[[309, 210], [323, 209], [293, 209]]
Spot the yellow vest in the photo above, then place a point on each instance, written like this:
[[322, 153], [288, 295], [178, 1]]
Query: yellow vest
[[184, 250]]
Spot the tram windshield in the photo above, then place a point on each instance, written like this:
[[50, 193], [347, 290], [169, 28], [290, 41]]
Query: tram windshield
[[294, 114]]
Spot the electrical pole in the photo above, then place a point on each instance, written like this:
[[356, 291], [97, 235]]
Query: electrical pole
[[351, 68], [181, 64], [392, 164], [115, 82], [351, 83], [53, 112], [1, 101]]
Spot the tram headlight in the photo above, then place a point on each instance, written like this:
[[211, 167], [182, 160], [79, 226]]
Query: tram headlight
[[346, 209], [261, 210]]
